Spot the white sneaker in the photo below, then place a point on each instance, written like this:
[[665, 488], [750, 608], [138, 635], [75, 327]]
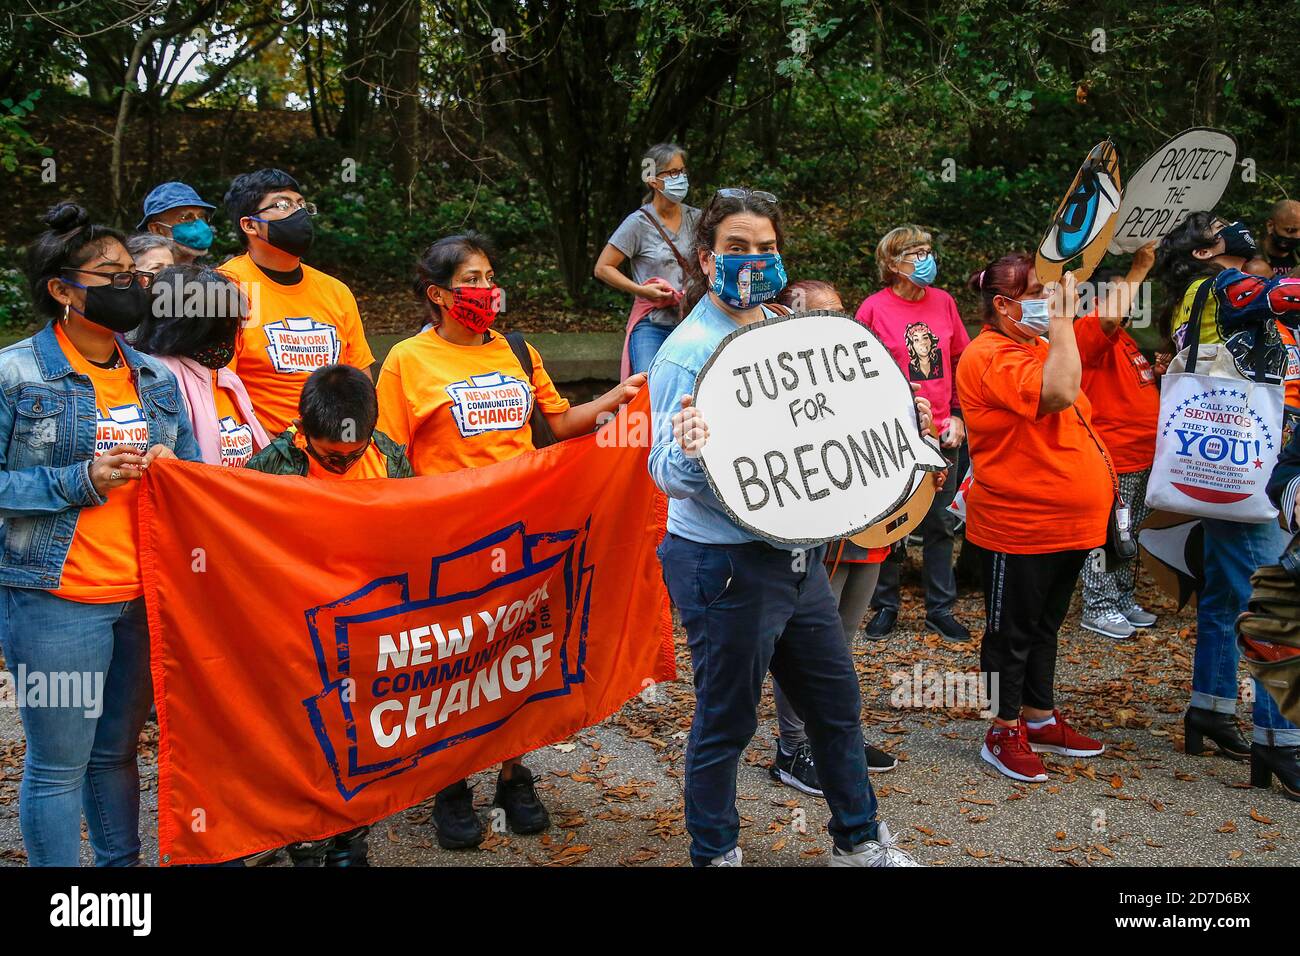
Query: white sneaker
[[731, 858], [1112, 624], [883, 851], [1139, 616]]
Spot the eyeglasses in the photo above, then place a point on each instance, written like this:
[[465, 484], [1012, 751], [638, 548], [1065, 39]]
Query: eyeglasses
[[289, 205], [916, 255], [738, 192], [119, 280], [192, 217], [672, 173], [336, 463]]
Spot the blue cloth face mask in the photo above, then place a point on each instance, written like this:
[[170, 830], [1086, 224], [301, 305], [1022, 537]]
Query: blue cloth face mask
[[675, 187], [743, 280], [924, 271], [1034, 317], [196, 234]]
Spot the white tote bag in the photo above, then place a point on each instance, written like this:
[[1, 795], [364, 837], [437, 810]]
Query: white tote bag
[[1219, 435]]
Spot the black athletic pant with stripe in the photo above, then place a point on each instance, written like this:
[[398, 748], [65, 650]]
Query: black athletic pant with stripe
[[1026, 599]]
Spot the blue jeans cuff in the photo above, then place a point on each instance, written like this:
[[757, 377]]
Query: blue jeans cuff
[[1289, 737], [1222, 705]]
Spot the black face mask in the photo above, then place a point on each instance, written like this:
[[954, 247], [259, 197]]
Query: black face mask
[[1285, 243], [119, 310], [292, 234], [1237, 240], [214, 356]]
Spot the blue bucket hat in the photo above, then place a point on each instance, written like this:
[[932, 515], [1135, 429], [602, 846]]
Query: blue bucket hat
[[169, 196]]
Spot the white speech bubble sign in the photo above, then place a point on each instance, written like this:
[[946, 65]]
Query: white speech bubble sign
[[1187, 174], [812, 428]]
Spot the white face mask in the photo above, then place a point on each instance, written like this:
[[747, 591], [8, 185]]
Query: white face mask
[[1034, 317], [675, 187]]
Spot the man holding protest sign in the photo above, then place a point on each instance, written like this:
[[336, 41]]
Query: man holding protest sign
[[748, 605]]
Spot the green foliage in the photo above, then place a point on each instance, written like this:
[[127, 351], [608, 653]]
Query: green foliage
[[15, 312], [968, 117], [15, 140]]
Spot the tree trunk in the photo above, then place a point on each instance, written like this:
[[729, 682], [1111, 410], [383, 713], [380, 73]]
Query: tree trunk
[[123, 117], [406, 74]]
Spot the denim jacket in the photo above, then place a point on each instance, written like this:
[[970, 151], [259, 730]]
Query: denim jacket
[[47, 441]]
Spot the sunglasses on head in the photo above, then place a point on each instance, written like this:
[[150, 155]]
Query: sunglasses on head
[[740, 192]]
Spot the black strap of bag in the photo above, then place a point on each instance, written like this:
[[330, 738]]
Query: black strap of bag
[[542, 433]]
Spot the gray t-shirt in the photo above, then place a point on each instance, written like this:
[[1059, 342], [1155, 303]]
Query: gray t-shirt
[[649, 256]]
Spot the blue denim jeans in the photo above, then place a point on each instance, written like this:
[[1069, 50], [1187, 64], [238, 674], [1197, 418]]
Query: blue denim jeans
[[81, 755], [748, 608], [643, 344], [1232, 553]]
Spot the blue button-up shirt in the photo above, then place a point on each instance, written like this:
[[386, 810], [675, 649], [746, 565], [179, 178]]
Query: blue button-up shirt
[[694, 511]]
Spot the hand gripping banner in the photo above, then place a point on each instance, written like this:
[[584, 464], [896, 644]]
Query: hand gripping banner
[[326, 654]]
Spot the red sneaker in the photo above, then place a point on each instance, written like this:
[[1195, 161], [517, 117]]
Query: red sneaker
[[1007, 748], [1061, 738]]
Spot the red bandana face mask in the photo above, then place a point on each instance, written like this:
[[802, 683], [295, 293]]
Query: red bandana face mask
[[475, 307]]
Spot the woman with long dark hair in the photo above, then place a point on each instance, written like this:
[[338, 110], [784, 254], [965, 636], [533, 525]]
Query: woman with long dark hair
[[748, 605]]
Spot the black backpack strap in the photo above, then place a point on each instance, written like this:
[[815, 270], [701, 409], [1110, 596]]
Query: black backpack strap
[[519, 345], [541, 428], [1194, 323]]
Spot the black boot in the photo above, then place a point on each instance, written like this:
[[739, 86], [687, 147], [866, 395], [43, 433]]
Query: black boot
[[1199, 723], [459, 827], [349, 849], [1282, 762], [308, 852], [518, 797]]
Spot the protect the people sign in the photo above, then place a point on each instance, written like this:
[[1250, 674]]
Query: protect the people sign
[[1185, 175], [812, 428]]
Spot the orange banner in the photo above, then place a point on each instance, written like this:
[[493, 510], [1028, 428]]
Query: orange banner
[[326, 654]]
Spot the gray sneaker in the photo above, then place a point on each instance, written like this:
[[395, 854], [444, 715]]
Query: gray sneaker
[[731, 858], [1112, 624], [883, 851], [1139, 616]]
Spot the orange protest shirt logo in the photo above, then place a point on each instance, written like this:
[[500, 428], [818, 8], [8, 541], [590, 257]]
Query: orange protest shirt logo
[[236, 436], [102, 565]]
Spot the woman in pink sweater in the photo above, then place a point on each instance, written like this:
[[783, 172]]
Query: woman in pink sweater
[[920, 326], [191, 329]]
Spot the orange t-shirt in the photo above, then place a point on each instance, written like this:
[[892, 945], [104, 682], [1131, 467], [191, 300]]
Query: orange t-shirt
[[103, 563], [372, 464], [291, 331], [1121, 384], [1041, 483], [461, 406], [236, 437]]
